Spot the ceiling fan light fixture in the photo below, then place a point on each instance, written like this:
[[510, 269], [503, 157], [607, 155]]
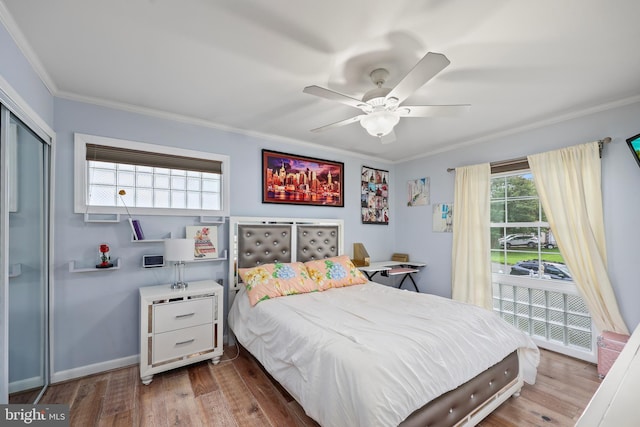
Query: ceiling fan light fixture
[[382, 106], [379, 123]]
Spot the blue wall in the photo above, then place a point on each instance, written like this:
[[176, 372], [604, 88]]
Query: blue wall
[[620, 183], [96, 314]]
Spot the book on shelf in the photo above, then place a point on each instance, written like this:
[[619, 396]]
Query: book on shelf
[[136, 228]]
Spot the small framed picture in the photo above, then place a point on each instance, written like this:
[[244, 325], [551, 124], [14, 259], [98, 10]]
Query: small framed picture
[[443, 217], [418, 192], [206, 245]]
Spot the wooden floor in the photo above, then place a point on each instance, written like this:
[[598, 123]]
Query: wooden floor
[[237, 392]]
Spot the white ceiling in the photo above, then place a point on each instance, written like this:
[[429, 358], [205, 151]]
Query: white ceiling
[[242, 64]]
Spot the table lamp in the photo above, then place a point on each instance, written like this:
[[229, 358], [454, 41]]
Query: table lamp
[[179, 251]]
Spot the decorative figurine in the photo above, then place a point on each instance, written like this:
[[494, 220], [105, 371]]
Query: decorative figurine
[[104, 256]]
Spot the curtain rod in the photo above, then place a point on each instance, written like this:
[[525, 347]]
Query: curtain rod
[[524, 159]]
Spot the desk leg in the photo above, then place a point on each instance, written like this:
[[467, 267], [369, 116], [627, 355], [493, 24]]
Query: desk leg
[[412, 281], [369, 276]]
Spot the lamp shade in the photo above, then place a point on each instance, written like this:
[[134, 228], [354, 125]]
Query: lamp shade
[[380, 123], [179, 249]]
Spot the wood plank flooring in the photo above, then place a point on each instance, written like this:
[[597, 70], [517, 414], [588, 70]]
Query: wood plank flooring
[[237, 392]]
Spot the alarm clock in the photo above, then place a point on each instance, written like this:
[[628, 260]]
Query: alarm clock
[[150, 261]]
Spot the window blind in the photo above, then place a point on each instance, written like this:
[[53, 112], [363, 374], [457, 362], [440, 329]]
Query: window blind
[[510, 165], [105, 153]]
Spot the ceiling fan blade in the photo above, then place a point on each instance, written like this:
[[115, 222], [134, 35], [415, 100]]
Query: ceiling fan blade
[[430, 65], [388, 138], [334, 96], [432, 110], [338, 124]]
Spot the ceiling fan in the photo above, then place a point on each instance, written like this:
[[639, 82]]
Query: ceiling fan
[[381, 105]]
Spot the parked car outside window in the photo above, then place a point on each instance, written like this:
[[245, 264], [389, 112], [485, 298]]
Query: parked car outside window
[[519, 240], [552, 270]]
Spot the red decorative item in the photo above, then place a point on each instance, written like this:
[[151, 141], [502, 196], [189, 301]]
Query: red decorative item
[[104, 256]]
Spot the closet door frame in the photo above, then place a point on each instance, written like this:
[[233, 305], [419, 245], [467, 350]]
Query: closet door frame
[[12, 103]]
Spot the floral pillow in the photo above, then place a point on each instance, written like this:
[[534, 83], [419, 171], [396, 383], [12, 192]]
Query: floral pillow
[[335, 272], [276, 280]]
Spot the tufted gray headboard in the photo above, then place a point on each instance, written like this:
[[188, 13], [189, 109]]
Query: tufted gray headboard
[[317, 242], [258, 241], [263, 244]]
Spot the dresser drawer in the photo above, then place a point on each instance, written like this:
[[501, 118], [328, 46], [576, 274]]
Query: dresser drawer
[[175, 344], [182, 314]]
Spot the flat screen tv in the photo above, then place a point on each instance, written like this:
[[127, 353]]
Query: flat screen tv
[[634, 145]]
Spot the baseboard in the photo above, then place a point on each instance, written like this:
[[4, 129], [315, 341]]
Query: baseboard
[[95, 368]]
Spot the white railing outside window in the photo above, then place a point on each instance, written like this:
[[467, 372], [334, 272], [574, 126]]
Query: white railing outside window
[[549, 311]]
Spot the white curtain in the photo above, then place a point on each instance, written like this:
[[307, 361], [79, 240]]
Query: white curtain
[[471, 256], [568, 182]]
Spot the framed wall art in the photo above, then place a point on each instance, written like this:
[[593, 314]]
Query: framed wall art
[[374, 197], [418, 192], [300, 180], [443, 217], [206, 245]]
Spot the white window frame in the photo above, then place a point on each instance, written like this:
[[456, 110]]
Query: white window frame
[[81, 181], [560, 286]]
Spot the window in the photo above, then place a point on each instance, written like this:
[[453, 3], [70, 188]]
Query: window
[[532, 287], [157, 180], [520, 236]]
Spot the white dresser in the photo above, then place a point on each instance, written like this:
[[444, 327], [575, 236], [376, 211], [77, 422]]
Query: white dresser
[[179, 326], [616, 403]]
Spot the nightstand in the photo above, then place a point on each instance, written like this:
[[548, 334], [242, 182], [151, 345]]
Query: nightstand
[[179, 326]]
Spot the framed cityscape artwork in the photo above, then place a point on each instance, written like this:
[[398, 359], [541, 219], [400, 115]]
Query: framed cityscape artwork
[[300, 180], [374, 197]]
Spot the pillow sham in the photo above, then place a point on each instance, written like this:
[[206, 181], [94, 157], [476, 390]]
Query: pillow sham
[[276, 280], [335, 272]]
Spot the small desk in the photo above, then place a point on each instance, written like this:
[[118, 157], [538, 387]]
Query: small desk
[[394, 268]]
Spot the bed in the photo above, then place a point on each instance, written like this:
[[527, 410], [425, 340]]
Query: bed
[[369, 354]]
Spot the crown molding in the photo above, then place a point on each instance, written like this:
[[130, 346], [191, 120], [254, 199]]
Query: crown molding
[[529, 127], [26, 49], [150, 112]]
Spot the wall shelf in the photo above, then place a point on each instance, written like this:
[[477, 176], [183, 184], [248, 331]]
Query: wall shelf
[[93, 217], [155, 240], [222, 258], [212, 219], [74, 269]]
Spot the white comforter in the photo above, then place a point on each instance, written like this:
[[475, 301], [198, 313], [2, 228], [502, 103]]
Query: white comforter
[[369, 355]]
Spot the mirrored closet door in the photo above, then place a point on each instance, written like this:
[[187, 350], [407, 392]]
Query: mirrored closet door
[[26, 258]]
